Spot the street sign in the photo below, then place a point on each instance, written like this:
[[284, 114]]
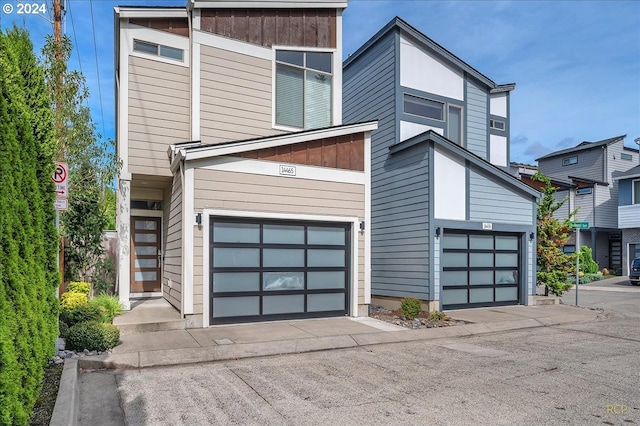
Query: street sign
[[580, 225], [61, 204], [61, 178]]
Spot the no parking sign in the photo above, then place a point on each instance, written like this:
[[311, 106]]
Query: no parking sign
[[61, 178]]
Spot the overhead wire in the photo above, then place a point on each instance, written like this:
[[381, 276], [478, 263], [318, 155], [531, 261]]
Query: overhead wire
[[95, 49], [75, 39]]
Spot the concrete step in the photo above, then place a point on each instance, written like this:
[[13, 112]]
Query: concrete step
[[149, 327], [546, 300]]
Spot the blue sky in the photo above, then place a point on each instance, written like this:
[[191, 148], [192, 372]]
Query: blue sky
[[576, 64]]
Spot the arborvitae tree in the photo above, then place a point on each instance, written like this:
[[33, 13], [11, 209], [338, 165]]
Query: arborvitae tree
[[554, 266], [28, 238]]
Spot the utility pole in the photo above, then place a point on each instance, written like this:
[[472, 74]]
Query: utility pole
[[57, 26]]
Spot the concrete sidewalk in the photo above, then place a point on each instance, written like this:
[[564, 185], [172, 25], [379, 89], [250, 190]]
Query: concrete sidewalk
[[227, 342]]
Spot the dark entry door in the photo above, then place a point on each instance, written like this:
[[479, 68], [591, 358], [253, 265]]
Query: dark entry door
[[145, 254]]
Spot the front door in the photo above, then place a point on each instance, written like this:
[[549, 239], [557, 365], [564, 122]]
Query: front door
[[145, 254], [615, 254]]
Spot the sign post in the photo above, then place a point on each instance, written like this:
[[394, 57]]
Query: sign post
[[578, 226], [60, 178]]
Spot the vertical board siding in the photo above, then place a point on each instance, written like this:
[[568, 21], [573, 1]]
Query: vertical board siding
[[222, 190], [266, 27], [235, 96], [486, 193], [158, 113], [477, 120], [178, 26], [400, 198], [173, 243]]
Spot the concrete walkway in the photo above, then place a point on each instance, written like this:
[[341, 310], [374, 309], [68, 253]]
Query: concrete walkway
[[226, 342]]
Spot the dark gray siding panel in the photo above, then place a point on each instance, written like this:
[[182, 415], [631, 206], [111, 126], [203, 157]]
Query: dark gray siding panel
[[492, 201], [477, 121], [400, 224]]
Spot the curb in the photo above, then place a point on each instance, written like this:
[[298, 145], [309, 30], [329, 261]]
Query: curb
[[65, 411], [167, 357]]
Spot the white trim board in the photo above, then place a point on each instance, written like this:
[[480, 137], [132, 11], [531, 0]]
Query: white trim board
[[272, 168]]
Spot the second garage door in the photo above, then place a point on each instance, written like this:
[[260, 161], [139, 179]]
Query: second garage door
[[479, 269], [263, 270]]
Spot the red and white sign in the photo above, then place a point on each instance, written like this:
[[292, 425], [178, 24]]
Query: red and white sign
[[61, 178]]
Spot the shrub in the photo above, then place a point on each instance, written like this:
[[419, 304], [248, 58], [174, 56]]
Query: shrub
[[81, 313], [587, 264], [438, 316], [410, 307], [92, 335], [109, 305], [69, 300], [63, 328], [79, 287]]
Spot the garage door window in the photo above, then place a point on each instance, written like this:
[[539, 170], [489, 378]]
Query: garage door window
[[479, 269], [273, 270]]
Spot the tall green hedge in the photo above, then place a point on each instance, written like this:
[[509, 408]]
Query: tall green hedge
[[28, 238]]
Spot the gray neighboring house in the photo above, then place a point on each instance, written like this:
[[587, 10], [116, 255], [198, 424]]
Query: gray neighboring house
[[590, 168], [629, 215], [449, 225]]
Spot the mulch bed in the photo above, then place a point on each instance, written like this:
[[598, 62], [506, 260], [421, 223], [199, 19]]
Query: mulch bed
[[422, 321], [43, 409]]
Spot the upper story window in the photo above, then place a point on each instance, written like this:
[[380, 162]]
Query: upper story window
[[636, 191], [497, 124], [625, 156], [567, 161], [158, 50], [304, 82], [454, 124], [423, 107]]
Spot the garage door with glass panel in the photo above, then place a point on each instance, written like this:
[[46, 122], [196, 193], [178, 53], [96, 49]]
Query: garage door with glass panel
[[263, 270], [479, 269]]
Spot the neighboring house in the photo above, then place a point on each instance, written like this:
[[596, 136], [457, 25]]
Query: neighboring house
[[589, 170], [629, 215], [449, 225], [520, 170], [241, 194]]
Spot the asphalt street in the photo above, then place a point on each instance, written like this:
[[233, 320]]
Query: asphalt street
[[580, 373]]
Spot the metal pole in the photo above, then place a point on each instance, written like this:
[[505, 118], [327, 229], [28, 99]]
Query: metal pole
[[577, 262]]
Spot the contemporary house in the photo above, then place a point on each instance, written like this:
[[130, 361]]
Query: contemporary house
[[589, 171], [241, 195], [629, 215], [450, 225]]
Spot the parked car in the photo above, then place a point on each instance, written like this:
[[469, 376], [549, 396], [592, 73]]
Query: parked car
[[634, 271]]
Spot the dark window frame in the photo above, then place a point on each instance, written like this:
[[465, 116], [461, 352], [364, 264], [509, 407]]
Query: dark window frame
[[570, 161]]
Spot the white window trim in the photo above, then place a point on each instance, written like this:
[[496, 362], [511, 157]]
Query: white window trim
[[336, 90], [207, 213], [492, 124], [149, 35]]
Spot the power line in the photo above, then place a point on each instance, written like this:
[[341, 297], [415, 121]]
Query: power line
[[75, 39], [95, 49]]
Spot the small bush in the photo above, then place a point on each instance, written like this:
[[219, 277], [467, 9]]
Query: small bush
[[92, 335], [79, 287], [63, 328], [109, 305], [69, 300], [81, 313], [410, 307], [587, 264], [438, 316]]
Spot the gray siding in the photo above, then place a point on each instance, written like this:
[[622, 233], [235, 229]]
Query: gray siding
[[564, 211], [172, 278], [400, 198], [606, 206], [584, 205], [492, 201], [590, 165], [477, 121], [400, 224]]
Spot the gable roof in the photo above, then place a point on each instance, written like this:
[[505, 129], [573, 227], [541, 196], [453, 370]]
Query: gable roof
[[398, 24], [629, 174], [196, 150], [431, 136], [583, 146]]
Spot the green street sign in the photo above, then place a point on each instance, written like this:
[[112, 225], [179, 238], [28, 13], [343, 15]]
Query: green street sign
[[580, 225]]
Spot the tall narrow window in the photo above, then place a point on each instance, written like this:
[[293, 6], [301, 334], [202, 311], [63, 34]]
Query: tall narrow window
[[454, 124], [304, 83], [636, 192]]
